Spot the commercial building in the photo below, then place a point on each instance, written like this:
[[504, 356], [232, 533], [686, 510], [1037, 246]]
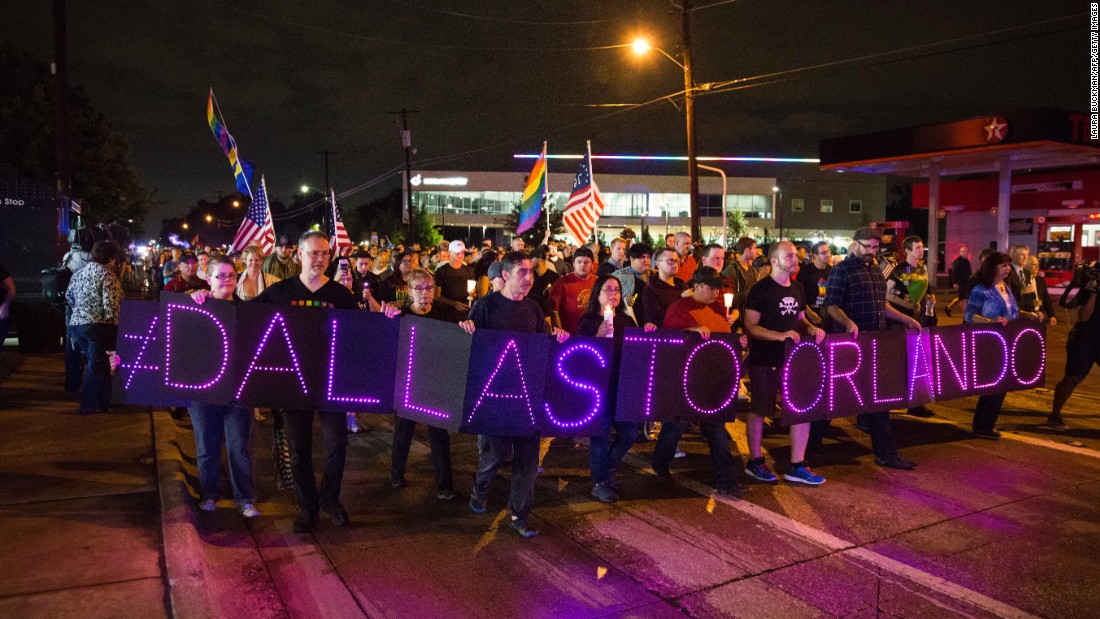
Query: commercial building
[[802, 203]]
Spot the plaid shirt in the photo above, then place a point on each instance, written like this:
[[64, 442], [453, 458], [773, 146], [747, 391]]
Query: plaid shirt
[[859, 290]]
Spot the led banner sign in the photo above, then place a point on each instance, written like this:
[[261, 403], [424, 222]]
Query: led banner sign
[[174, 352]]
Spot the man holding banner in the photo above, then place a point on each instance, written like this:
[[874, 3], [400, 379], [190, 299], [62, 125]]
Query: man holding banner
[[510, 310], [855, 299], [774, 313]]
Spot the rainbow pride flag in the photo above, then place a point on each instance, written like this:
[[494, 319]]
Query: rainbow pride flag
[[242, 170], [530, 206]]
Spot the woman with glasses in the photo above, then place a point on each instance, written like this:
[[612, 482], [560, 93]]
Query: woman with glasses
[[421, 297], [606, 316], [991, 300], [215, 423], [395, 288]]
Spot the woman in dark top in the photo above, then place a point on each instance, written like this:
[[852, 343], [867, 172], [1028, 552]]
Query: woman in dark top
[[421, 297], [606, 302]]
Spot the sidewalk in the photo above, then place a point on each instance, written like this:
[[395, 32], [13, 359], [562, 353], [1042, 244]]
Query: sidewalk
[[78, 502]]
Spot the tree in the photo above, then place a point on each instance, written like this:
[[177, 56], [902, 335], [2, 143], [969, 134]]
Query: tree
[[383, 216], [103, 180], [735, 227]]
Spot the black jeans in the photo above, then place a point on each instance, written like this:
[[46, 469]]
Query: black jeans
[[299, 433], [495, 451], [440, 442], [604, 454], [94, 340], [985, 414], [721, 460], [882, 440]]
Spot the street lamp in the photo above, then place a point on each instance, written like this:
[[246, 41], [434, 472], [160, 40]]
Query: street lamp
[[209, 218], [725, 226], [304, 188], [236, 203], [185, 226], [777, 208], [642, 46]]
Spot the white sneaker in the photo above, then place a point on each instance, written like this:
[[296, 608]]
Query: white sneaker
[[207, 505], [249, 510], [353, 424], [680, 454]]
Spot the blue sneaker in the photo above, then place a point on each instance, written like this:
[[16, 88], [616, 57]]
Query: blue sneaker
[[477, 505], [758, 469], [801, 473]]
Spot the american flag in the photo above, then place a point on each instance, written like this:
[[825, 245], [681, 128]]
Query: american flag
[[338, 234], [257, 224], [585, 204]]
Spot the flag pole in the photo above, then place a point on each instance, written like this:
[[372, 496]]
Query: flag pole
[[546, 192], [592, 182]]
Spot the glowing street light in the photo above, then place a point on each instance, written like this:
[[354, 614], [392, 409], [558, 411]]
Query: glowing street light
[[209, 218], [236, 203], [640, 46], [304, 188], [185, 226]]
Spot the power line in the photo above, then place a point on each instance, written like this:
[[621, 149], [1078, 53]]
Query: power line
[[407, 4]]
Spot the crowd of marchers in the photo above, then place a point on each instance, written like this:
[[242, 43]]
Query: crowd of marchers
[[789, 292]]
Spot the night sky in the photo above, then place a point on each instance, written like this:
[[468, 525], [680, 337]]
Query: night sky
[[495, 77]]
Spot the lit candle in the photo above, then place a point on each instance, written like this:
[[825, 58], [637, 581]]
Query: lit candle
[[470, 285], [728, 298], [608, 314]]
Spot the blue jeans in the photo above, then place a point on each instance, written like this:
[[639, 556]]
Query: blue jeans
[[5, 324], [94, 341], [495, 451], [212, 423], [439, 441], [721, 460], [604, 454], [74, 360], [298, 425]]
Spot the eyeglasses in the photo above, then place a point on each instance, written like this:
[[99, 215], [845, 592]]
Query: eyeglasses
[[224, 276], [670, 261], [612, 291], [867, 247], [422, 288]]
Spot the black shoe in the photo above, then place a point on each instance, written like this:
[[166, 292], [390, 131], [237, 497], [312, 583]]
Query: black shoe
[[477, 505], [337, 515], [865, 428], [524, 531], [922, 411], [305, 522], [737, 490], [663, 474], [1056, 422], [605, 493], [896, 462], [446, 495], [991, 435], [398, 482], [947, 310]]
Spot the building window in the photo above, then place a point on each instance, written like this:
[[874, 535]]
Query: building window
[[826, 206], [798, 205], [855, 206]]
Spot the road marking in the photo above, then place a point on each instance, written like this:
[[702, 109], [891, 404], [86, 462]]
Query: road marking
[[845, 548], [1023, 438]]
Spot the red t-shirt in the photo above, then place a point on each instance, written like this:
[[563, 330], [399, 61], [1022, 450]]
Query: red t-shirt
[[687, 268], [569, 298], [687, 313]]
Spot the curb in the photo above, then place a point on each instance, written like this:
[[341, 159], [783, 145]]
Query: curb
[[213, 566]]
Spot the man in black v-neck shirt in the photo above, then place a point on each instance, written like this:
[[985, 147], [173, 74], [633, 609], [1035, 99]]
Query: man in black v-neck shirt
[[312, 289]]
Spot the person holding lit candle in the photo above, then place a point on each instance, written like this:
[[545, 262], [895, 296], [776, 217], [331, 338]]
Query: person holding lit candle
[[607, 317]]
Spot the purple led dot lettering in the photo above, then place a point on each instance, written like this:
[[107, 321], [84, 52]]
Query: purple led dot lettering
[[734, 383], [168, 347], [874, 377], [652, 364], [974, 357], [1042, 356], [332, 373], [577, 385], [847, 376], [149, 336], [296, 369], [959, 371], [919, 360], [409, 381], [485, 393], [787, 378]]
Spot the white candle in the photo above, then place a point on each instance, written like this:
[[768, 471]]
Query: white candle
[[728, 298], [470, 285], [608, 314]]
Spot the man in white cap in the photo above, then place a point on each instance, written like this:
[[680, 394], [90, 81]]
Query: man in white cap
[[450, 279]]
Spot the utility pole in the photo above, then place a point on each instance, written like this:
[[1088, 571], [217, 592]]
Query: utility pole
[[60, 69], [406, 142], [689, 111], [328, 188]]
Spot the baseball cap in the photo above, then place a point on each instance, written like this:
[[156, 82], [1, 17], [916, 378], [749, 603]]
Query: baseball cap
[[456, 247], [189, 256], [707, 276], [284, 241], [495, 270], [866, 234]]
